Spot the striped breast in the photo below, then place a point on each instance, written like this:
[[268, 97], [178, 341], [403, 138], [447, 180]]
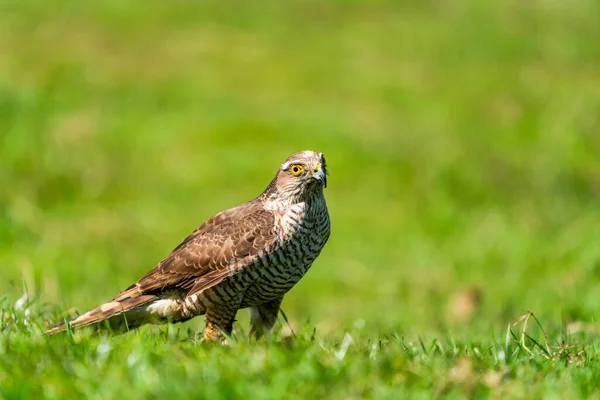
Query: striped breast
[[303, 230]]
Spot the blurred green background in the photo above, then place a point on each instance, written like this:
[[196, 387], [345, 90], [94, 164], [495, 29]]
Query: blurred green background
[[463, 140]]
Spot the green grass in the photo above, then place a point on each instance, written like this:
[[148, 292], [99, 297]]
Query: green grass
[[462, 140]]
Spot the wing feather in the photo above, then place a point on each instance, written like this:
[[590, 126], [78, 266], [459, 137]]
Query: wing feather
[[203, 259]]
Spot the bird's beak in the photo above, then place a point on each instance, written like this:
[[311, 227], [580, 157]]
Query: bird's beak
[[320, 174]]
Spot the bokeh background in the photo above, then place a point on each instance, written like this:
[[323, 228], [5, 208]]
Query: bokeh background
[[463, 140]]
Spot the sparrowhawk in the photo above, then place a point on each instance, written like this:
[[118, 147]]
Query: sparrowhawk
[[247, 256]]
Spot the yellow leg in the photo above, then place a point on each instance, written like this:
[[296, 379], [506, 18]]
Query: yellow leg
[[219, 321]]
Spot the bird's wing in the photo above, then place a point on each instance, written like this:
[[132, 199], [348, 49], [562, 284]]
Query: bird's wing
[[205, 257]]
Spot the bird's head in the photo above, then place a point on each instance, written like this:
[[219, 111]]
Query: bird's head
[[302, 174]]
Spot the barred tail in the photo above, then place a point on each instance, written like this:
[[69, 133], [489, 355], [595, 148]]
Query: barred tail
[[120, 314]]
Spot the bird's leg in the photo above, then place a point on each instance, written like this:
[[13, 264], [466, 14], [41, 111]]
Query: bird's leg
[[219, 321], [263, 317]]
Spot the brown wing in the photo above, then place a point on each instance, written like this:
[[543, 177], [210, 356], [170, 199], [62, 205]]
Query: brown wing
[[203, 258]]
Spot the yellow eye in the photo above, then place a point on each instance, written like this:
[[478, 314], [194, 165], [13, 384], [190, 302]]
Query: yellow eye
[[296, 169]]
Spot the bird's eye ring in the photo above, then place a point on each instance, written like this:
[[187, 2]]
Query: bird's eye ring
[[296, 169]]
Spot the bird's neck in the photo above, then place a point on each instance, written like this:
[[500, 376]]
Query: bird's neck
[[290, 199]]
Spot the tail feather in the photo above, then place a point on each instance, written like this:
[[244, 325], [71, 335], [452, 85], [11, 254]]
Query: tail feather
[[120, 314]]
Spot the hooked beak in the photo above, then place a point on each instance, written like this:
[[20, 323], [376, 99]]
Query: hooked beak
[[320, 174]]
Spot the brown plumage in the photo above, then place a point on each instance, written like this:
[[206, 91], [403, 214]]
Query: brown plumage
[[247, 256]]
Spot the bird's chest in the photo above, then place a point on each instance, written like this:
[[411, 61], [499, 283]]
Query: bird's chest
[[302, 234], [304, 230]]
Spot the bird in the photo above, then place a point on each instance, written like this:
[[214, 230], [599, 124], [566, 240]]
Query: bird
[[247, 256]]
